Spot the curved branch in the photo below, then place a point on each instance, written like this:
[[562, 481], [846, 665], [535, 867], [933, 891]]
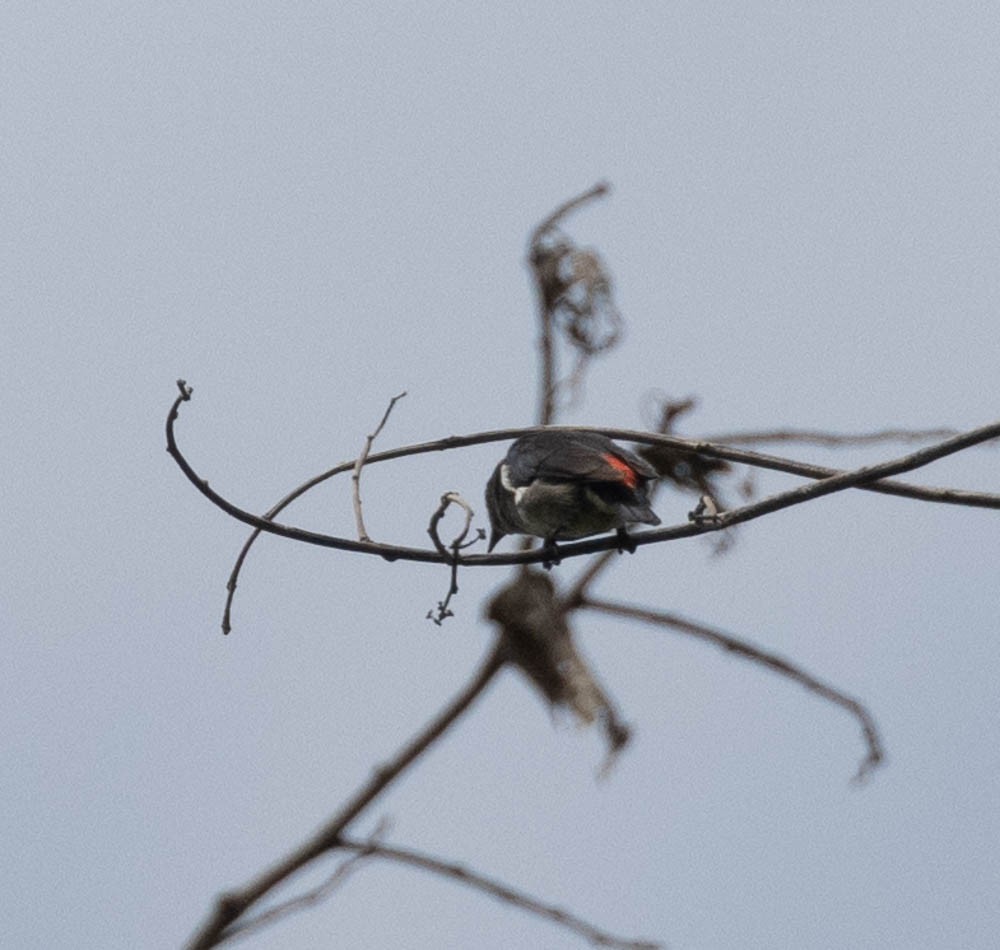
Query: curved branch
[[874, 755], [832, 480], [547, 224], [230, 907]]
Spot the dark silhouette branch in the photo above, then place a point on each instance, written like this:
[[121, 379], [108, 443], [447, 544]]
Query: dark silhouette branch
[[831, 480], [265, 918], [363, 850], [874, 755], [230, 907], [885, 486], [869, 478]]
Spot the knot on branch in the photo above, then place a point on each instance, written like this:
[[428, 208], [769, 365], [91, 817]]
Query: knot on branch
[[537, 639]]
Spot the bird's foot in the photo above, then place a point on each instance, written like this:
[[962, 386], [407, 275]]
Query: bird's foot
[[551, 551], [625, 542]]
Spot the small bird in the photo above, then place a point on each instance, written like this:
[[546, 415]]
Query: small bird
[[561, 485]]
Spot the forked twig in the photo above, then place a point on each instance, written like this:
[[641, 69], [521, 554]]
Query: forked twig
[[308, 899], [230, 907], [314, 895]]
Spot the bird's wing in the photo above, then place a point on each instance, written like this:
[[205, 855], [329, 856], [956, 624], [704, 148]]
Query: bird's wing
[[584, 457]]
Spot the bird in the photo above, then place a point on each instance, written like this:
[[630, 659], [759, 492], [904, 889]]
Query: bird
[[562, 485]]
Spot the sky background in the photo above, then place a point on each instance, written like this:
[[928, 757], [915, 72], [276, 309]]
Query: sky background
[[303, 209]]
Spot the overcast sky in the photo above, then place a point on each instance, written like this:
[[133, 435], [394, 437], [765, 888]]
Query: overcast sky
[[305, 208]]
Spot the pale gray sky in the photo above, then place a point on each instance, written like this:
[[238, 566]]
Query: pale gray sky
[[303, 209]]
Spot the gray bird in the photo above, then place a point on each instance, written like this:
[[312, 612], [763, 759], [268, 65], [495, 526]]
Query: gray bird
[[560, 486]]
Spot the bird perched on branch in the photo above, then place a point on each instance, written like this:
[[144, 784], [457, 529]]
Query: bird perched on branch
[[562, 485]]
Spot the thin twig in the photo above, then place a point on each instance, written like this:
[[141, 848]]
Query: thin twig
[[830, 439], [314, 895], [874, 755], [443, 611], [273, 512], [302, 901], [230, 907], [595, 191], [359, 464], [546, 402], [494, 888]]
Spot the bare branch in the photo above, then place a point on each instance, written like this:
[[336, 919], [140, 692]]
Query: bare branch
[[732, 644], [372, 847], [362, 458], [666, 410], [831, 439], [832, 480], [502, 892], [230, 907], [313, 896], [302, 901]]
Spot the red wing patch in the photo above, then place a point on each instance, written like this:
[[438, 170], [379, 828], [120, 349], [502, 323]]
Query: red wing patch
[[624, 470]]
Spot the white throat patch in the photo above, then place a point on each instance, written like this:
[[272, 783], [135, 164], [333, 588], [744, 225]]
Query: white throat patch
[[518, 493]]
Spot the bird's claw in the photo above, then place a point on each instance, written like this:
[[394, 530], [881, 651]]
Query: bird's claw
[[625, 542], [551, 551]]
